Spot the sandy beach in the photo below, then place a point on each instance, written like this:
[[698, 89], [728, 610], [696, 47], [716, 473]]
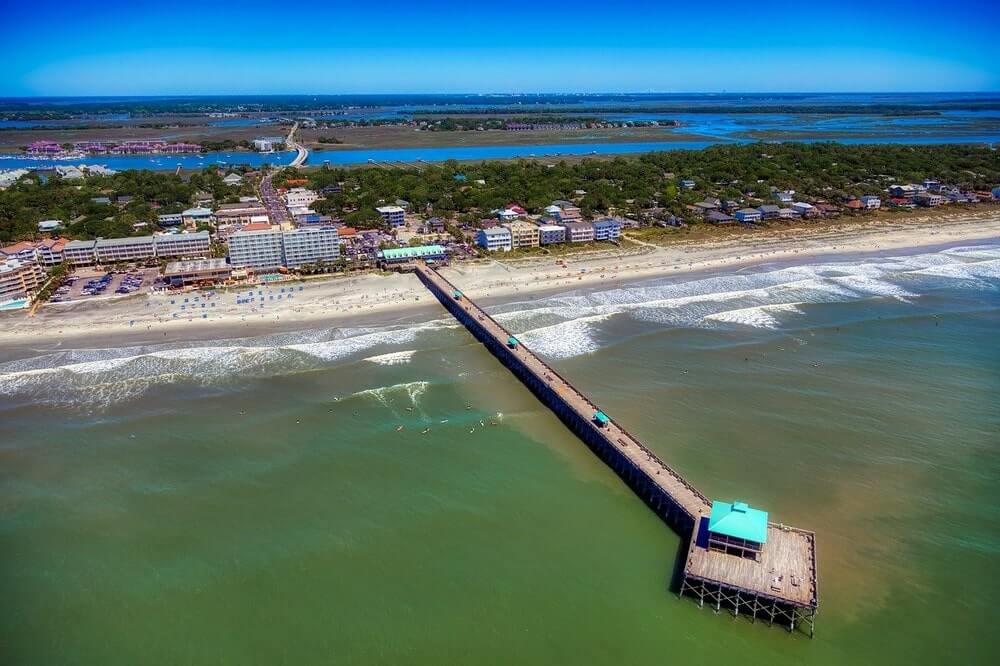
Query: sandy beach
[[337, 299]]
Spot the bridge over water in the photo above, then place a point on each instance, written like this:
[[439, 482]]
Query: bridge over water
[[778, 586]]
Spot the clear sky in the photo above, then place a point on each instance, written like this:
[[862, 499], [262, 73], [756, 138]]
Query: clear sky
[[247, 47]]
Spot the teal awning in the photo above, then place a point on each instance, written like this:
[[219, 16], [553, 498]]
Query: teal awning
[[457, 294], [738, 520], [601, 418], [512, 341]]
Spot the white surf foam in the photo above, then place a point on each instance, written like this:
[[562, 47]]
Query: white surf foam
[[759, 316], [392, 358]]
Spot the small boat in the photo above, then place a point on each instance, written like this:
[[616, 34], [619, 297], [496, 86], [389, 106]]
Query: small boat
[[398, 428]]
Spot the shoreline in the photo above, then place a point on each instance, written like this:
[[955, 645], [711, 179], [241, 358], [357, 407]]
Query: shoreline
[[396, 298]]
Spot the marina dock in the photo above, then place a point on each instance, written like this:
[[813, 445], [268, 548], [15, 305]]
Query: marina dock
[[778, 584]]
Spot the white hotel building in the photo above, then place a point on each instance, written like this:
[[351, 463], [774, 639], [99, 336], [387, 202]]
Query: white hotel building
[[256, 246], [114, 250], [310, 245]]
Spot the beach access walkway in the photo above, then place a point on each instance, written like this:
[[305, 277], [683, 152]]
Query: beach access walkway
[[779, 586]]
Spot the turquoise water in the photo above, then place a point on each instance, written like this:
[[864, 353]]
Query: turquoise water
[[250, 500]]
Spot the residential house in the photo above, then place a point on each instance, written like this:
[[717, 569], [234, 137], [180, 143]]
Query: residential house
[[785, 197], [233, 179], [748, 215], [495, 239], [579, 232], [928, 199], [687, 184], [551, 233], [607, 229], [523, 234], [768, 211], [871, 202], [718, 217]]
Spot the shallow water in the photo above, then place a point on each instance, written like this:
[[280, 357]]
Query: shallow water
[[251, 500]]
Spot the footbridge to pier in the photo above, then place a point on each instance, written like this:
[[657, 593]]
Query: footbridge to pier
[[778, 586]]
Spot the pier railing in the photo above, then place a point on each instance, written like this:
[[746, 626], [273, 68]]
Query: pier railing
[[445, 287]]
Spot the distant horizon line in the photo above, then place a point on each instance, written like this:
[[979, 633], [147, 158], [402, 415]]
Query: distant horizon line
[[515, 94]]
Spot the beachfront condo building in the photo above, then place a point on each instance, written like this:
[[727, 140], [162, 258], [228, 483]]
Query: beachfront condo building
[[523, 234], [607, 229], [256, 246], [50, 251], [195, 244], [113, 250], [310, 245], [495, 239], [579, 232], [80, 252], [19, 279], [551, 233], [392, 215]]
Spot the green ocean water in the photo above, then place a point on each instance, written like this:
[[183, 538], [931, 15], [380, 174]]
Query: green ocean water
[[252, 500]]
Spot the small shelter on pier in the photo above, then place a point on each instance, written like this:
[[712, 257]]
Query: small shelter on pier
[[601, 419], [738, 529]]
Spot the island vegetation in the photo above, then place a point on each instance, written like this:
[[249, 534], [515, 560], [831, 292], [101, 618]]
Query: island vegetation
[[109, 206]]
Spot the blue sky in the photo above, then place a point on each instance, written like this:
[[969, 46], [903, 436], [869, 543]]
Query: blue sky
[[206, 47]]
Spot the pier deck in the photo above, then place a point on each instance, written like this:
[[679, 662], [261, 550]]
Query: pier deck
[[781, 585]]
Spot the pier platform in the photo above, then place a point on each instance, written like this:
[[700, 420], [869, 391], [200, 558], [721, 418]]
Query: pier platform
[[778, 586]]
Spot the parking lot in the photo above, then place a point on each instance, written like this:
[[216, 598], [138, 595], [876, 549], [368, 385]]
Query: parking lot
[[92, 284]]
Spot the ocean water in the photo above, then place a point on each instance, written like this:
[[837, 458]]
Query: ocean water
[[254, 500]]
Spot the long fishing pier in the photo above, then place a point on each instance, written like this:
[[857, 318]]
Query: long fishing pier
[[778, 585]]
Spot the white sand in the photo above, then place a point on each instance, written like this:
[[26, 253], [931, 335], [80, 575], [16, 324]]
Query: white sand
[[338, 298]]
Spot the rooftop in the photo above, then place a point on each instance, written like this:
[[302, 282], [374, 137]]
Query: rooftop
[[738, 520], [412, 252]]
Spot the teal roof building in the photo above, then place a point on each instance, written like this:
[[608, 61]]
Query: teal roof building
[[399, 254], [739, 521]]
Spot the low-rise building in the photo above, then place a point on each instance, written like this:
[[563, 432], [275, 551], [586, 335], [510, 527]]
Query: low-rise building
[[718, 217], [238, 213], [80, 252], [233, 179], [195, 244], [113, 250], [607, 229], [399, 255], [748, 215], [19, 279], [310, 245], [804, 209], [569, 214], [523, 234], [199, 271], [687, 184], [579, 232], [47, 226], [785, 197], [23, 251], [495, 239], [928, 199], [871, 202], [300, 196], [256, 246], [394, 216], [768, 211], [192, 217], [169, 219], [551, 233], [50, 251]]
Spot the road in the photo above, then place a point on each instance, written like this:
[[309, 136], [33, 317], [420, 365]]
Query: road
[[301, 153]]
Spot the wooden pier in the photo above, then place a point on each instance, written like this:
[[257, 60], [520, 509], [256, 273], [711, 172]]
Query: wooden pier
[[779, 586]]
